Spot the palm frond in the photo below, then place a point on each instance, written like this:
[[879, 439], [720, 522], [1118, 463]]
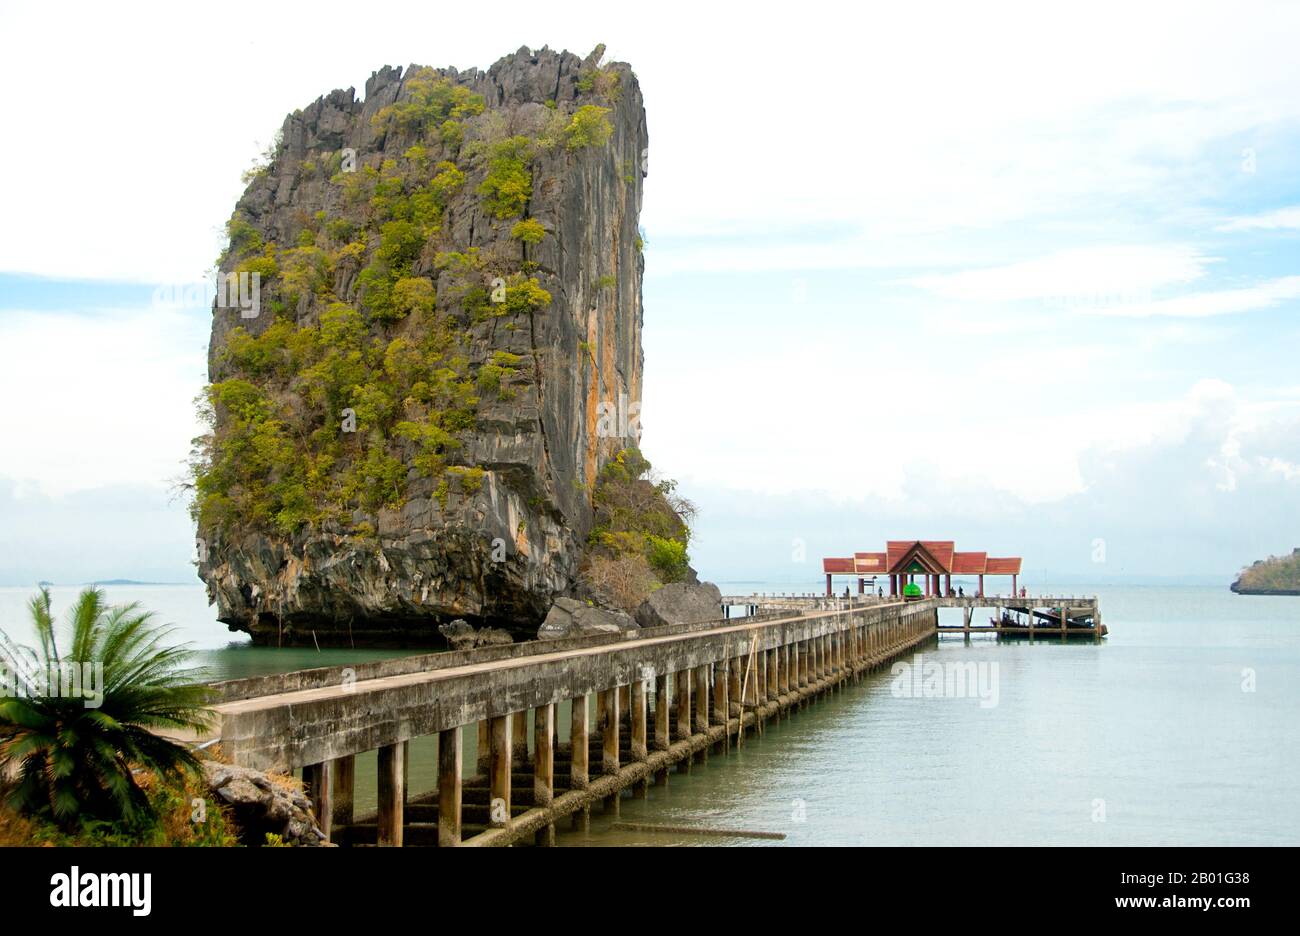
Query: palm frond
[[74, 763]]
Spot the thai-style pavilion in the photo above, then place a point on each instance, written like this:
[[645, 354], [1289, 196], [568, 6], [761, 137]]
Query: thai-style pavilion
[[934, 562]]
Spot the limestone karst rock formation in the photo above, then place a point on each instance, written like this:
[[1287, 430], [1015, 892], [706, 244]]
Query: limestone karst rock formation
[[494, 211]]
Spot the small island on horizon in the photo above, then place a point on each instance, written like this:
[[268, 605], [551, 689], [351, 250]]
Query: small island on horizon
[[45, 583], [1276, 575]]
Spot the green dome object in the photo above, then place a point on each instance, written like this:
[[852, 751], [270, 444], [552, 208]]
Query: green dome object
[[912, 590]]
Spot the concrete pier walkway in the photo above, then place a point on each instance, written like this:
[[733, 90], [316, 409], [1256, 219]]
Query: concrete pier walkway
[[662, 697]]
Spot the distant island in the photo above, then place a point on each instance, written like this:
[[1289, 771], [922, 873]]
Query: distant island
[[1276, 575], [47, 584], [128, 582]]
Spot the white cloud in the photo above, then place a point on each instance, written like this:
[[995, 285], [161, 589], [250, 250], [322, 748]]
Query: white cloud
[[756, 121], [1073, 274], [1213, 486], [98, 399], [1280, 219], [1288, 471], [1264, 295]]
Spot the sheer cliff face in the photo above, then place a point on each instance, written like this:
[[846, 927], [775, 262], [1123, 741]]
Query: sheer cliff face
[[326, 553]]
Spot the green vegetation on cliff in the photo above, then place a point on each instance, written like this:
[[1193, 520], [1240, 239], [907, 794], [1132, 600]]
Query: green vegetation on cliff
[[1277, 575], [641, 534], [364, 379]]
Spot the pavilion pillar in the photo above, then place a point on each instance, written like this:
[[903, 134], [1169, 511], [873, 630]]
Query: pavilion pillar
[[580, 740], [1014, 590], [947, 583], [981, 589], [829, 590], [391, 789], [862, 585], [449, 787]]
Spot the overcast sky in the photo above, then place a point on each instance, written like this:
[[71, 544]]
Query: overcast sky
[[1021, 277]]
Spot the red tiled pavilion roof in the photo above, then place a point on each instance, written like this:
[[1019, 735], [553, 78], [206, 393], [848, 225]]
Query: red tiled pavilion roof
[[968, 563], [894, 550], [938, 556], [838, 566], [942, 550], [936, 552], [870, 563], [1009, 565]]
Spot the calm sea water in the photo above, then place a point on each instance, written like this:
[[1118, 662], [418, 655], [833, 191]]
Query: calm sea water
[[1179, 729], [220, 652]]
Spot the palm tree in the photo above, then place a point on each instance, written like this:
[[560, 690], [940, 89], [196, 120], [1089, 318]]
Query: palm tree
[[68, 759]]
